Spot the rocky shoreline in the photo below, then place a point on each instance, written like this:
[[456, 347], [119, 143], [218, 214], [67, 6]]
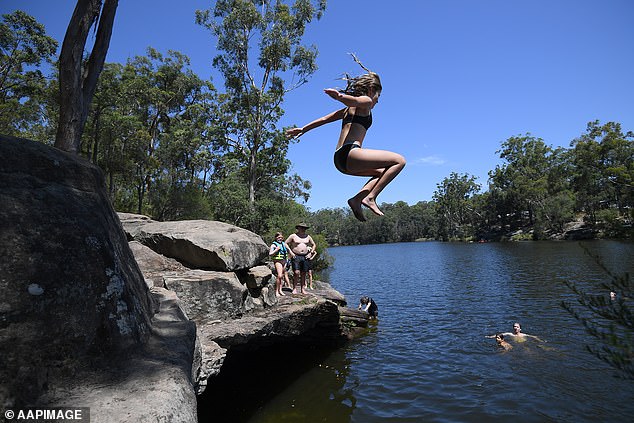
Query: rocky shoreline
[[124, 315]]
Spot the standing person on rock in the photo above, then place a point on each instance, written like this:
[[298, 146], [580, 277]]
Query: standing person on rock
[[300, 244], [280, 252], [312, 253]]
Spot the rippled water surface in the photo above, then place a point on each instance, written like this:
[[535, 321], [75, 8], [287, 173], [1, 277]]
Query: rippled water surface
[[427, 358]]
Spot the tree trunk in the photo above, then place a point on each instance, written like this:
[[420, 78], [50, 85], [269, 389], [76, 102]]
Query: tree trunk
[[77, 83]]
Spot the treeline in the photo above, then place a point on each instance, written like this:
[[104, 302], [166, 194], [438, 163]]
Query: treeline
[[173, 147], [534, 194]]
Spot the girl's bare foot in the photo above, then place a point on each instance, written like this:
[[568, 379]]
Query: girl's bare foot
[[371, 204], [356, 209]]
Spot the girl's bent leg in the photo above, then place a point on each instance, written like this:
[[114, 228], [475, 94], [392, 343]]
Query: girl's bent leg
[[383, 166]]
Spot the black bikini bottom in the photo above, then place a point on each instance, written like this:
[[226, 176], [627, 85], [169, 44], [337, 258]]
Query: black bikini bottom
[[341, 156]]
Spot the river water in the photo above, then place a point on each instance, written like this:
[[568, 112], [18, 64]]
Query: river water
[[427, 358]]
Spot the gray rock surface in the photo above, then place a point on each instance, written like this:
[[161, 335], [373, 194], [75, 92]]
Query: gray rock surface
[[77, 321], [199, 244], [208, 294], [70, 286], [151, 384], [235, 309]]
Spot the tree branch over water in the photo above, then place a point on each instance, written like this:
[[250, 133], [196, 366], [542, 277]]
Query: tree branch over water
[[608, 318]]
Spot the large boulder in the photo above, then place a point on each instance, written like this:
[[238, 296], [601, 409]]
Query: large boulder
[[78, 325], [236, 309], [310, 319], [201, 244], [208, 295], [161, 272], [69, 282], [153, 265]]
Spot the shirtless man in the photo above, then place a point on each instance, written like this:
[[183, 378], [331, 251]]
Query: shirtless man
[[301, 245], [518, 335]]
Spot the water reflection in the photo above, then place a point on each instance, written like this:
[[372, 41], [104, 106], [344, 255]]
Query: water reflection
[[283, 383], [323, 393]]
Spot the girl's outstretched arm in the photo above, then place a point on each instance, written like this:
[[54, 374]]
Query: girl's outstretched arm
[[331, 117], [349, 100]]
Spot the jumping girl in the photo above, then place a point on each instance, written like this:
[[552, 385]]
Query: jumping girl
[[360, 96]]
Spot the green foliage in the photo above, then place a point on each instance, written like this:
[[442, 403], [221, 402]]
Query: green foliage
[[603, 168], [454, 198], [24, 46], [531, 187], [248, 111], [149, 129], [610, 321]]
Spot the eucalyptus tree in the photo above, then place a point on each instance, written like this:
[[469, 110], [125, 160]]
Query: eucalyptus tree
[[603, 169], [115, 137], [256, 83], [331, 223], [406, 226], [173, 106], [453, 201], [559, 205], [78, 77], [103, 120], [24, 47], [426, 218]]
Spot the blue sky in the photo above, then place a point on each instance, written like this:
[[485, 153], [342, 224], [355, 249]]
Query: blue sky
[[459, 76]]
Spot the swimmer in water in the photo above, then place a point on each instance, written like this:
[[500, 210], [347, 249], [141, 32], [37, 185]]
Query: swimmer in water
[[518, 335], [499, 338]]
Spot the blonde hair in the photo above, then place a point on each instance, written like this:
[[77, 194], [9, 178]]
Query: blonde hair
[[361, 85]]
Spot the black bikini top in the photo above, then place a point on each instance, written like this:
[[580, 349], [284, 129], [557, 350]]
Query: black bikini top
[[365, 121]]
